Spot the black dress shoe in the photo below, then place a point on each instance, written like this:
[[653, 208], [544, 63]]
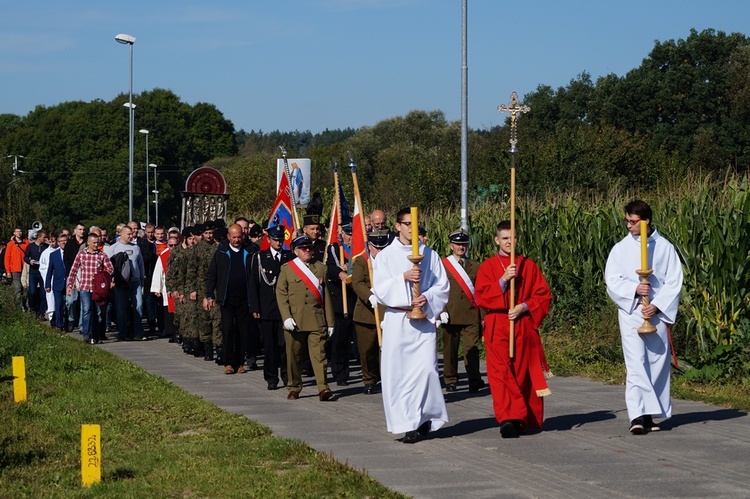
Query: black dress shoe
[[451, 387], [342, 383], [476, 385], [410, 437], [92, 341], [273, 385], [369, 390], [509, 430], [424, 428]]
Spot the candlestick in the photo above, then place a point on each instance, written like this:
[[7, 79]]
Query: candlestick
[[414, 232], [644, 245]]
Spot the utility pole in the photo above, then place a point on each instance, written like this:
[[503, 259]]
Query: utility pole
[[15, 162]]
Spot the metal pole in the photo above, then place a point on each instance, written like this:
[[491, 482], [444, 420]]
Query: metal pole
[[148, 196], [132, 119], [156, 196], [464, 122]]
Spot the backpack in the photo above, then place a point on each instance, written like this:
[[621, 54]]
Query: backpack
[[121, 264], [100, 285]]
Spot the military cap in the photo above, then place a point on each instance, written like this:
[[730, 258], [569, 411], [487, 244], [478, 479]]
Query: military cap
[[209, 225], [311, 220], [459, 236], [264, 225], [378, 238], [276, 233], [187, 231], [347, 228], [220, 222], [255, 231], [422, 231], [303, 241], [220, 233], [198, 229]]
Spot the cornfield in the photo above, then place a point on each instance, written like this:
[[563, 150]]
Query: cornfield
[[571, 235]]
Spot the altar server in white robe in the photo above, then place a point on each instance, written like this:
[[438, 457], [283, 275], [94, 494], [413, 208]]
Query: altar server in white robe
[[647, 355], [412, 395]]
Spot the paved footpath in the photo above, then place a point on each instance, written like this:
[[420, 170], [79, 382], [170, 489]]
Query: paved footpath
[[584, 451]]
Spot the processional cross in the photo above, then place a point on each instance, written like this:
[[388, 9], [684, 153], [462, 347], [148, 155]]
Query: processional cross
[[515, 111]]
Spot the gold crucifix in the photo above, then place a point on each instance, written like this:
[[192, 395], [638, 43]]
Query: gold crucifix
[[515, 110]]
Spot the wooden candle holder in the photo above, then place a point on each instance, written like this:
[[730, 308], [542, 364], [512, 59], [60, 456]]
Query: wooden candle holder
[[416, 312], [646, 327]]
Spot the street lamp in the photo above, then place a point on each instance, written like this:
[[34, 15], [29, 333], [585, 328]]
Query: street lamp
[[148, 197], [129, 40], [156, 194]]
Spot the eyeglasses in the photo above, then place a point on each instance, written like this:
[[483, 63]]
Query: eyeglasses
[[408, 224], [305, 248], [631, 222], [171, 245]]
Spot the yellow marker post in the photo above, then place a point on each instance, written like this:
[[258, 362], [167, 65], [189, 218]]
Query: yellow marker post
[[19, 384], [91, 457]]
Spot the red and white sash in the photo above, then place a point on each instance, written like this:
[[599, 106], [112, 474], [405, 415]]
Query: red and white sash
[[310, 280], [462, 278]]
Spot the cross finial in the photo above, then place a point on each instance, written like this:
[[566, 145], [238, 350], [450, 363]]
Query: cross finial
[[515, 110]]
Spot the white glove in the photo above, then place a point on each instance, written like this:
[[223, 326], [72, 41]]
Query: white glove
[[330, 332], [289, 324], [438, 323], [444, 317], [373, 301]]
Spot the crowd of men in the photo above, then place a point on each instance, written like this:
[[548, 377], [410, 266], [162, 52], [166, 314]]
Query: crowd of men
[[315, 309]]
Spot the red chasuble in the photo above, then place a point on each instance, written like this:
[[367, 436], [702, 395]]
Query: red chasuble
[[517, 384]]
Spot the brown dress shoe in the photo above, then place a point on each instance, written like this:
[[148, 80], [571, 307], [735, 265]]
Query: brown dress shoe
[[292, 396], [241, 370], [325, 395], [229, 370]]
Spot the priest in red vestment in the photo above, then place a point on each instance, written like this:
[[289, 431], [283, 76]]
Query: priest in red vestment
[[517, 384]]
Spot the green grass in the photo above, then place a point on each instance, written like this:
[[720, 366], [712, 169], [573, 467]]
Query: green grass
[[157, 440]]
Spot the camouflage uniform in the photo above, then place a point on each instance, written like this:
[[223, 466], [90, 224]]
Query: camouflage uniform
[[175, 281], [207, 324]]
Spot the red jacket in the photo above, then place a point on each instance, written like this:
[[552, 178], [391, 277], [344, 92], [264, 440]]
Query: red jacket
[[14, 254]]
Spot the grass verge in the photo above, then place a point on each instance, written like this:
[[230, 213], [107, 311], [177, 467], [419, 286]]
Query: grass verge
[[157, 440]]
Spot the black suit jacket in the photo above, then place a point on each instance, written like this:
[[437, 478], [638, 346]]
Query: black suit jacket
[[264, 273], [334, 282]]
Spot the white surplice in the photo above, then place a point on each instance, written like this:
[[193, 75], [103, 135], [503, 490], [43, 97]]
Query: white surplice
[[647, 356], [409, 371]]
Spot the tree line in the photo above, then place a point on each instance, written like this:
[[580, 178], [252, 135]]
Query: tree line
[[684, 109]]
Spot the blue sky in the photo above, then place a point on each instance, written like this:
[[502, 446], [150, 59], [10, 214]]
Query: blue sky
[[327, 64]]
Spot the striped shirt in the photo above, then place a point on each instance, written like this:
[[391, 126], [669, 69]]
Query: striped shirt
[[86, 266]]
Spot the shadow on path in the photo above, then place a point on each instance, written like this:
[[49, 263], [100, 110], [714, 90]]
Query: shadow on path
[[570, 421], [701, 417]]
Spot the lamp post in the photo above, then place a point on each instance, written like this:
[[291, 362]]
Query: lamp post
[[148, 196], [129, 40], [156, 194]]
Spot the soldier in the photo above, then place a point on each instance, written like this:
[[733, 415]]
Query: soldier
[[460, 318], [343, 331], [175, 280], [264, 273], [197, 273], [307, 315], [364, 314], [190, 335], [311, 227]]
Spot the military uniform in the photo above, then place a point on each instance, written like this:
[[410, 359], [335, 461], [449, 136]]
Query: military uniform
[[300, 305], [462, 324], [175, 281], [343, 331], [206, 324], [264, 273], [364, 321]]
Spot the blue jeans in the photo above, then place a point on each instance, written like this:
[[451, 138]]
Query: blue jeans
[[129, 299], [73, 304], [37, 298], [91, 314]]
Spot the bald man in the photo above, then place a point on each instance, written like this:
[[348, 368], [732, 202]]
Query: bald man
[[228, 284], [378, 219]]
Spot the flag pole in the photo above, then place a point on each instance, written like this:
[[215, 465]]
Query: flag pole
[[515, 110], [358, 200], [336, 188], [295, 216]]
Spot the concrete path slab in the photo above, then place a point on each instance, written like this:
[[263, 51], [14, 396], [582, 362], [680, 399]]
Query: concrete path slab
[[584, 451]]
